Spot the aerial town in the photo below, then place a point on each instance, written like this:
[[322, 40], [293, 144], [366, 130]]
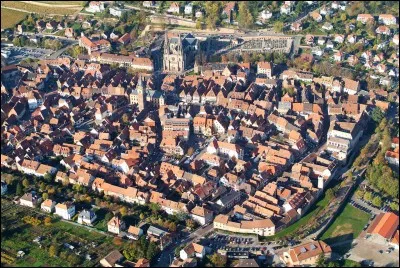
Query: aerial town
[[199, 134]]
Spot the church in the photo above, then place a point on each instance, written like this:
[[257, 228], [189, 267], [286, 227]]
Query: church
[[143, 96], [179, 52]]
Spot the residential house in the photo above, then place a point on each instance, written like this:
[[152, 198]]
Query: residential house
[[116, 225], [95, 6], [87, 216], [364, 18], [173, 8], [30, 200], [387, 19], [192, 250], [48, 205], [265, 68], [65, 210], [201, 215]]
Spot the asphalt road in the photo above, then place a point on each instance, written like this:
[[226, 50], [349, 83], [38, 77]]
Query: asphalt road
[[167, 255]]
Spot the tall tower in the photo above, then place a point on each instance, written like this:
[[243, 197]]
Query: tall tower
[[141, 94]]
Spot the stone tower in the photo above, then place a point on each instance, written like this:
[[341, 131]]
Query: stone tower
[[141, 94]]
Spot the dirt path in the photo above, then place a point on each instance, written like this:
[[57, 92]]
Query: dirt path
[[17, 9], [52, 5]]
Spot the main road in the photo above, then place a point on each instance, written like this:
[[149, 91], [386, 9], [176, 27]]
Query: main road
[[167, 255]]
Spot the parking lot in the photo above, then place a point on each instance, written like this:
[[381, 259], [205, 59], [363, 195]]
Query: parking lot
[[17, 54], [357, 205]]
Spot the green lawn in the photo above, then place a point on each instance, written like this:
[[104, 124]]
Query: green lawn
[[348, 225]]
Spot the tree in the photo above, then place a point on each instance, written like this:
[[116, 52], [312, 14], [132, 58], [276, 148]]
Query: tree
[[330, 193], [218, 260], [125, 118], [190, 151], [47, 221], [377, 115], [199, 25], [108, 216], [123, 211], [245, 18], [151, 251], [394, 206], [25, 183], [53, 250], [278, 26], [74, 260], [18, 190], [359, 194], [343, 17], [154, 207], [368, 196], [321, 260], [377, 201], [172, 227], [45, 196], [142, 216], [191, 224]]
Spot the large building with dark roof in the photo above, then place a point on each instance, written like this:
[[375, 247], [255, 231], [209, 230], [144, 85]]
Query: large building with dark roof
[[179, 52]]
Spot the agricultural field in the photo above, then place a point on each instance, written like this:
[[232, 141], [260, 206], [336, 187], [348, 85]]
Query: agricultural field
[[19, 235], [348, 225], [10, 18], [41, 9], [69, 3]]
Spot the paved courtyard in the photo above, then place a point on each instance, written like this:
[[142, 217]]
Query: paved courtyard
[[366, 249]]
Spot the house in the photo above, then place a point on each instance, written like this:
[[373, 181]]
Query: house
[[364, 18], [48, 205], [309, 39], [316, 16], [125, 39], [95, 6], [296, 27], [265, 14], [69, 32], [396, 39], [351, 86], [201, 215], [329, 45], [116, 11], [87, 216], [321, 41], [384, 227], [265, 68], [338, 56], [306, 254], [134, 232], [342, 137], [229, 200], [387, 19], [142, 263], [65, 210], [339, 38], [327, 26], [286, 9], [392, 157], [351, 38], [225, 149], [173, 8], [189, 9], [383, 30], [113, 259], [30, 200], [262, 227], [192, 250], [116, 225]]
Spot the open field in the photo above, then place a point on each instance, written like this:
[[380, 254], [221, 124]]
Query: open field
[[29, 7], [19, 235], [348, 225], [10, 18], [67, 3]]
